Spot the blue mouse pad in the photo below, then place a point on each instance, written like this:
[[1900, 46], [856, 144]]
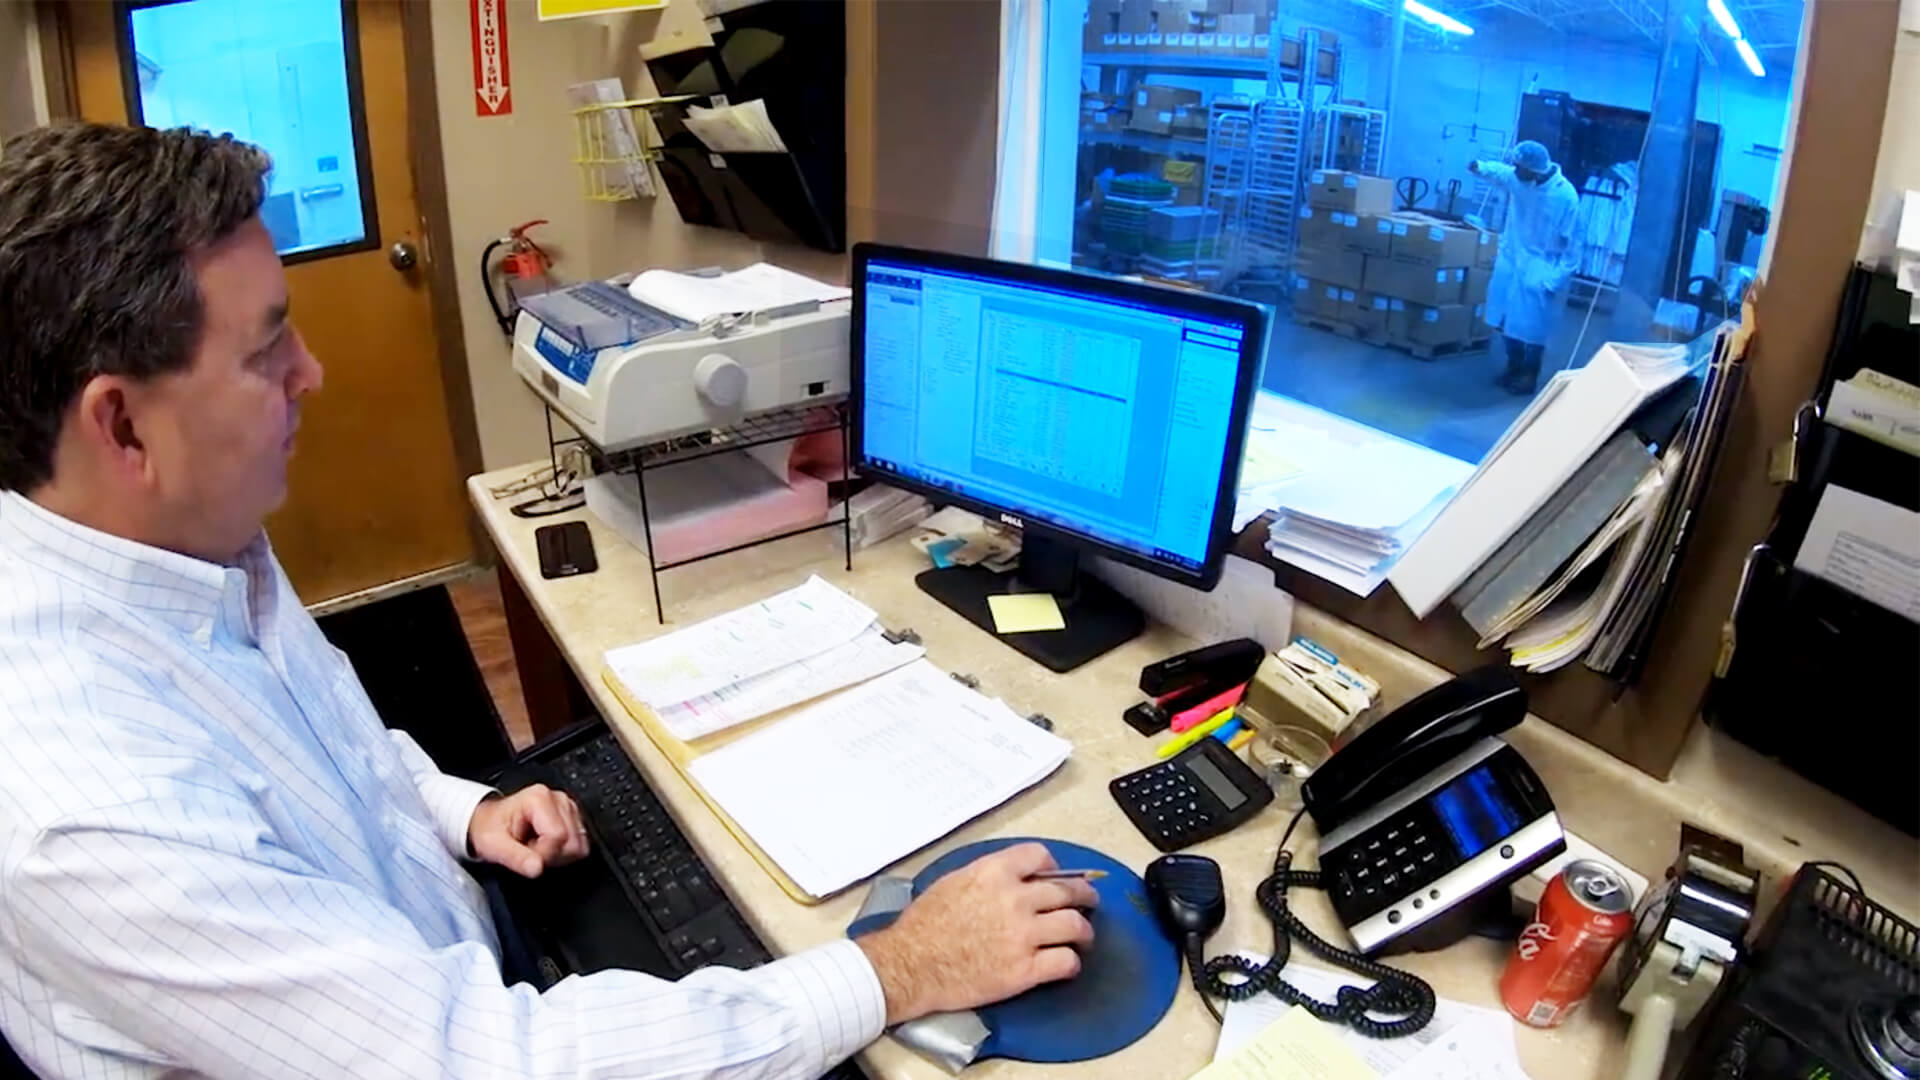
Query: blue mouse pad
[[1126, 981]]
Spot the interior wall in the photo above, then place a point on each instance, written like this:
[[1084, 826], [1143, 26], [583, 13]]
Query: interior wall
[[23, 98], [1898, 167], [921, 144], [935, 113], [503, 170]]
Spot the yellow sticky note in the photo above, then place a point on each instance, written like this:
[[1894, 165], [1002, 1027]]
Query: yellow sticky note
[[1294, 1047], [1020, 613]]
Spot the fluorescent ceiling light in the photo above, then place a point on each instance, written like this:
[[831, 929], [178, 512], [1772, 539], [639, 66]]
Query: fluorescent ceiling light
[[1718, 9], [1438, 18], [1752, 59]]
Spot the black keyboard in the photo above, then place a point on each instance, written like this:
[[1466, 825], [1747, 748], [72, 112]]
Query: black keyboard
[[693, 921], [643, 902]]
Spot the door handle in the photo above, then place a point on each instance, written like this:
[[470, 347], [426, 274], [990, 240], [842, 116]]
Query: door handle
[[402, 255]]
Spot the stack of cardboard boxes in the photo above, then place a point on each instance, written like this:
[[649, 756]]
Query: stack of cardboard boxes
[[1403, 279], [1219, 27]]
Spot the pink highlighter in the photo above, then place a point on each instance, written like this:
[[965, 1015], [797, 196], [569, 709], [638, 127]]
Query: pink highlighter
[[1223, 700]]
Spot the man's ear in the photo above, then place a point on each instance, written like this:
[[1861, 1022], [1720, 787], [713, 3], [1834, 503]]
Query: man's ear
[[104, 425]]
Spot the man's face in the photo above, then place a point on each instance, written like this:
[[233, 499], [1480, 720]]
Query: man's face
[[1530, 176], [220, 432]]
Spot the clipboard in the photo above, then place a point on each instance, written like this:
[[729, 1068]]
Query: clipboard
[[682, 754]]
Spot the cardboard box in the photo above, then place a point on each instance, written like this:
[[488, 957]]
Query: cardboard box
[[1137, 17], [1352, 193], [1103, 25], [1253, 7], [1475, 290], [1154, 106], [1447, 324], [1488, 251], [1346, 269], [1190, 120], [1321, 301], [1428, 241], [1372, 234], [1426, 285], [1328, 230], [1369, 314]]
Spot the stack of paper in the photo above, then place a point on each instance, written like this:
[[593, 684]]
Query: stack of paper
[[849, 785], [1573, 416], [735, 129], [1462, 1042], [1556, 624], [1349, 520], [760, 287], [790, 648]]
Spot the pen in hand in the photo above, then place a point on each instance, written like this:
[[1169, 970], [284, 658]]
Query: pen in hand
[[1067, 875]]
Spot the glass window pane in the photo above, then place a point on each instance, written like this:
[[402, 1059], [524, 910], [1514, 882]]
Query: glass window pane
[[272, 74], [1414, 294]]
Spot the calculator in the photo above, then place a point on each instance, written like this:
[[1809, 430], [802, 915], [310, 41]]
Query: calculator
[[1200, 793]]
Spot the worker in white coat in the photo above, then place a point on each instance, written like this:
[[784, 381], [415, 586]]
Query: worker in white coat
[[1537, 257]]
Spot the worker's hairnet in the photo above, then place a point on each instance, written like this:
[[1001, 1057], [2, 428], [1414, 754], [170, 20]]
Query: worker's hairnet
[[1532, 156]]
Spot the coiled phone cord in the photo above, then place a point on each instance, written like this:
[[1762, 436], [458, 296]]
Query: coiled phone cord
[[1394, 992]]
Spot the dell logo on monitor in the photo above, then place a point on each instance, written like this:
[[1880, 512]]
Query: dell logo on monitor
[[1013, 521]]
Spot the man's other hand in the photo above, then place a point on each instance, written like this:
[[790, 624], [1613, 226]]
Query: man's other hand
[[982, 933], [528, 831]]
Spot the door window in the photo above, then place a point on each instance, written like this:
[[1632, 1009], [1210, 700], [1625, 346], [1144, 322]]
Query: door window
[[283, 76]]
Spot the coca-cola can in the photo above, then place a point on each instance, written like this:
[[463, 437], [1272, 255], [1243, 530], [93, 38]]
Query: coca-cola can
[[1586, 911]]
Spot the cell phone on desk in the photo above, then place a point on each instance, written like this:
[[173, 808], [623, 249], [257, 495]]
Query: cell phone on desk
[[565, 550]]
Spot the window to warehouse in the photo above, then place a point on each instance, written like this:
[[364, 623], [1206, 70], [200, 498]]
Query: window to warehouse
[[1444, 202]]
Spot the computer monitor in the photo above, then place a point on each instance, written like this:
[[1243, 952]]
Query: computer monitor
[[1099, 415]]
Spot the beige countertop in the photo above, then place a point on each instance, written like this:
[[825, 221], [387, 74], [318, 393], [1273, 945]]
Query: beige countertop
[[1782, 819]]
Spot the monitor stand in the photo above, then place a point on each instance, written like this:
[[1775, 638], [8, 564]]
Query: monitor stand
[[1097, 617]]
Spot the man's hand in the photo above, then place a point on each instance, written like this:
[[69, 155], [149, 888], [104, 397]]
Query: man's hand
[[1474, 166], [528, 831], [980, 934]]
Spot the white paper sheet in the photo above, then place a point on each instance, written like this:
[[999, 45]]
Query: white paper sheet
[[850, 784], [865, 657], [760, 287], [1866, 546], [1377, 487], [617, 127], [1460, 1033], [735, 129], [783, 629]]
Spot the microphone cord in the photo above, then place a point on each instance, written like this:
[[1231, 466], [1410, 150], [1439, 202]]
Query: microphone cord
[[1394, 992]]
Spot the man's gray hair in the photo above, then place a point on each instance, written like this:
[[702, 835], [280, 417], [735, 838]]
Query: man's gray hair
[[97, 227]]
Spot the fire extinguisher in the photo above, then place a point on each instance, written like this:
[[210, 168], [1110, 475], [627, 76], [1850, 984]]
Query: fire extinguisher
[[526, 268]]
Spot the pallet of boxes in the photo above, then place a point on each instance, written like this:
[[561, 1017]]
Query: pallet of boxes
[[1404, 279]]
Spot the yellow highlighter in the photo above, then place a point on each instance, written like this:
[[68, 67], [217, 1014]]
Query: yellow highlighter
[[1195, 733]]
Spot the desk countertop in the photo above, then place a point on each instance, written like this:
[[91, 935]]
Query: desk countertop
[[1627, 813]]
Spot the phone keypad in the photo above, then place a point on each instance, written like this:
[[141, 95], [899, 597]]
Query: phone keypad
[[1167, 805], [1392, 860]]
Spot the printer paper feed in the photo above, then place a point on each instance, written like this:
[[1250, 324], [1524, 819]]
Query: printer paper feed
[[842, 788], [760, 287], [784, 629]]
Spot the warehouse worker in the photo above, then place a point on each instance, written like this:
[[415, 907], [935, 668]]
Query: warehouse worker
[[217, 860], [1536, 260]]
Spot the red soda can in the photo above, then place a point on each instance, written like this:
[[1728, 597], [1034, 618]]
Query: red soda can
[[1585, 912]]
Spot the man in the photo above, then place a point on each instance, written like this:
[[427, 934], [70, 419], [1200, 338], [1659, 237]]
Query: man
[[1536, 259], [214, 860]]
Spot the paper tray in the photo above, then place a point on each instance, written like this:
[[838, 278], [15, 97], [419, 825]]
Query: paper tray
[[682, 755]]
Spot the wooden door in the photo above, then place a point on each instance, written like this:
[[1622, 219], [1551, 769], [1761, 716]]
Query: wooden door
[[375, 488]]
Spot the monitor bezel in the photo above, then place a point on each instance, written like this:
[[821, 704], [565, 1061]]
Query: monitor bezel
[[1253, 343]]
